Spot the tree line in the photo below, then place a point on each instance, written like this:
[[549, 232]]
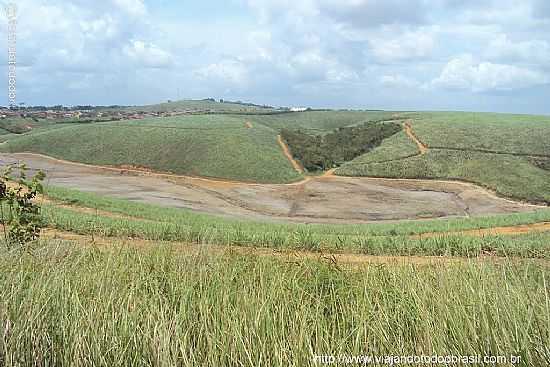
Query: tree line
[[323, 152]]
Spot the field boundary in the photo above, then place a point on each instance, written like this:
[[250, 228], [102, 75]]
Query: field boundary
[[289, 255], [475, 150]]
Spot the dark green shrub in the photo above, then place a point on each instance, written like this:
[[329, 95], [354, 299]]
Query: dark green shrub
[[20, 215], [322, 152]]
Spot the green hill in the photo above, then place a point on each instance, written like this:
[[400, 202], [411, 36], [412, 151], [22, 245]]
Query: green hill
[[509, 154], [206, 145], [319, 121], [491, 132], [204, 105], [210, 145]]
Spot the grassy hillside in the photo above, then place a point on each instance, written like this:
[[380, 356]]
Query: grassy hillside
[[519, 134], [508, 175], [397, 146], [319, 121], [460, 146], [207, 145], [204, 145], [13, 127]]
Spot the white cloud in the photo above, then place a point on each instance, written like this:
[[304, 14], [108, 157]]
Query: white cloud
[[464, 73], [286, 51], [341, 75], [541, 9], [132, 7], [531, 51], [407, 46], [309, 65], [398, 81], [286, 10], [260, 43], [354, 13], [232, 72], [373, 13], [148, 55]]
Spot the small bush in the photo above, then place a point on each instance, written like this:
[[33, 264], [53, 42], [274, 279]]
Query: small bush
[[20, 216]]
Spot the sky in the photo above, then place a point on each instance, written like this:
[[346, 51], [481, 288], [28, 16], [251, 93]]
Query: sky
[[475, 55]]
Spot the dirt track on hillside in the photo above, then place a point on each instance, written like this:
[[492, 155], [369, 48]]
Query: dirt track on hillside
[[323, 199], [286, 151], [422, 148]]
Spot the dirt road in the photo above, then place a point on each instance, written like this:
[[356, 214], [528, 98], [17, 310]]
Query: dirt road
[[323, 199], [422, 148], [286, 150], [293, 256]]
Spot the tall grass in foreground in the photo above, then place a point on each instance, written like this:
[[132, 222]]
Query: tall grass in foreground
[[133, 307]]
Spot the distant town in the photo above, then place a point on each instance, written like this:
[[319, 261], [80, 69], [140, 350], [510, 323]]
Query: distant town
[[91, 113]]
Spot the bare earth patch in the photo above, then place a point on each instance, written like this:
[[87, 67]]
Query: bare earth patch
[[323, 199]]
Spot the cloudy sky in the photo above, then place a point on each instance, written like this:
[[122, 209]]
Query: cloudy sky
[[482, 55]]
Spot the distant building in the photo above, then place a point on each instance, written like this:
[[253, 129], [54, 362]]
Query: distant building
[[299, 109]]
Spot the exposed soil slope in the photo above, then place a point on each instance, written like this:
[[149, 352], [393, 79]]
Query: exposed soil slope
[[322, 199]]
